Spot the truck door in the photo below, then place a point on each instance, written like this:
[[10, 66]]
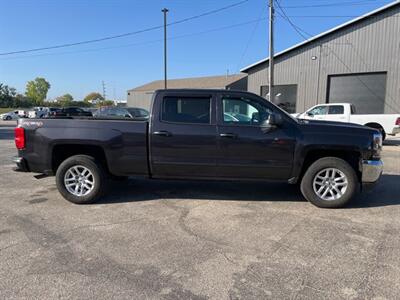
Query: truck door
[[183, 135], [244, 149], [316, 113], [336, 113]]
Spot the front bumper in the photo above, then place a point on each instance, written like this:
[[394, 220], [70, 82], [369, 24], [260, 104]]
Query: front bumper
[[22, 166], [371, 170]]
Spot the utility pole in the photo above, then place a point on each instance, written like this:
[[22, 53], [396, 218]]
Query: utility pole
[[271, 51], [165, 10], [104, 89]]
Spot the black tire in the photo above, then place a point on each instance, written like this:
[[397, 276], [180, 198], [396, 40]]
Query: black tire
[[307, 188], [8, 118], [98, 176]]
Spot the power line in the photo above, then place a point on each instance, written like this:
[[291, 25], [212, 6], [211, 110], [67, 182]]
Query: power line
[[283, 14], [251, 38], [364, 2], [128, 33], [142, 43], [327, 16]]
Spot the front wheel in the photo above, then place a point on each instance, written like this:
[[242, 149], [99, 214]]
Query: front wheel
[[8, 118], [80, 179], [330, 182]]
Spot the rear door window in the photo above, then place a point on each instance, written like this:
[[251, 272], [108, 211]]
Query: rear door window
[[336, 110], [186, 110]]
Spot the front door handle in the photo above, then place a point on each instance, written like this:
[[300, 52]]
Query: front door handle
[[228, 135], [162, 133]]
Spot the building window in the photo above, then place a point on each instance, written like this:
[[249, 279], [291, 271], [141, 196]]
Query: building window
[[285, 96], [366, 91], [186, 110]]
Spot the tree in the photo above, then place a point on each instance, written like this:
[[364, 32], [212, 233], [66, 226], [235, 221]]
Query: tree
[[37, 90], [105, 103], [65, 100], [7, 95], [93, 97]]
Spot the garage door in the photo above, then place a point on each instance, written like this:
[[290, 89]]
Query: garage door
[[366, 91]]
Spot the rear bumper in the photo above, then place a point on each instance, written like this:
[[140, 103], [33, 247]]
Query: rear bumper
[[371, 170], [21, 163], [396, 130]]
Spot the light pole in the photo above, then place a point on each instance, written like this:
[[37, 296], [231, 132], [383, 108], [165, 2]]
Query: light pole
[[271, 50], [165, 10]]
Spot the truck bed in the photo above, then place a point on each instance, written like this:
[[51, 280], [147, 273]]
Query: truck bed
[[122, 142]]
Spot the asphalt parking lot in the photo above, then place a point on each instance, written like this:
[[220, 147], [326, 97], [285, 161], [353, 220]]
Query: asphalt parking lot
[[196, 240]]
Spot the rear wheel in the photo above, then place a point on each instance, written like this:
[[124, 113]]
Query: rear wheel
[[330, 182], [80, 179]]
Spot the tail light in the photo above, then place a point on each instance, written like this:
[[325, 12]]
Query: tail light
[[19, 137], [398, 121]]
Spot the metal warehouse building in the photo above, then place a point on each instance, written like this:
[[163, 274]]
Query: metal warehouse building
[[356, 62], [141, 96]]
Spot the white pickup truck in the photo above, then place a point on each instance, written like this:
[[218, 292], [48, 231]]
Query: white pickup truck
[[345, 112]]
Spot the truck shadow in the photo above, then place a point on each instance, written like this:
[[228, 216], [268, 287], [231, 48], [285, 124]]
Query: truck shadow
[[385, 193], [145, 190], [391, 142]]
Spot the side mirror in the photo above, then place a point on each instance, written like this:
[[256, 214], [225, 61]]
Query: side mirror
[[274, 120], [310, 114]]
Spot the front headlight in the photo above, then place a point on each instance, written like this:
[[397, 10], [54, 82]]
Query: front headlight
[[376, 145]]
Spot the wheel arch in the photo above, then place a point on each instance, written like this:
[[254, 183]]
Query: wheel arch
[[352, 157], [61, 152], [378, 126]]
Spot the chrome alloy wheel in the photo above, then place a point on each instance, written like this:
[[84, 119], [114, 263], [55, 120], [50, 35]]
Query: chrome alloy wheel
[[79, 181], [330, 184]]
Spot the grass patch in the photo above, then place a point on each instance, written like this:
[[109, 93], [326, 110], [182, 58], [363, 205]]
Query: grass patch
[[4, 110]]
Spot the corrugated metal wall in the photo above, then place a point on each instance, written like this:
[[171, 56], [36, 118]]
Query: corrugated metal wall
[[371, 45], [139, 99]]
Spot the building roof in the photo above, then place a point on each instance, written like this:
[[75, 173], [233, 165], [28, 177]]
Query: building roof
[[192, 83], [348, 23]]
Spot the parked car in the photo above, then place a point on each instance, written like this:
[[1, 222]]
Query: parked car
[[37, 112], [72, 112], [121, 113], [138, 112], [11, 115], [187, 137], [387, 124], [51, 112], [22, 113]]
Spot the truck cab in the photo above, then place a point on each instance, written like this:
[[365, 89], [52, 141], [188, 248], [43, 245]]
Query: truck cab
[[330, 112]]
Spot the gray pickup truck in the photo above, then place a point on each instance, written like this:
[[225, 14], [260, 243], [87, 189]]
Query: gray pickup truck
[[203, 134]]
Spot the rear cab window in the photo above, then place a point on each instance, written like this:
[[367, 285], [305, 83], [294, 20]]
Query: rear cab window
[[193, 110]]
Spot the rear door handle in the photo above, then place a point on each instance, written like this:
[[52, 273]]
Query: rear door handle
[[162, 133], [228, 135]]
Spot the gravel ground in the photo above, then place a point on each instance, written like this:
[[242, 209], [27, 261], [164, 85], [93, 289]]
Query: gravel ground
[[196, 240]]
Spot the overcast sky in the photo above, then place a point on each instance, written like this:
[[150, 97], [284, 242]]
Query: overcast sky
[[210, 45]]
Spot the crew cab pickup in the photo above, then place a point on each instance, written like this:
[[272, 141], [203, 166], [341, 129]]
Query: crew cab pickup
[[387, 124], [203, 134]]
